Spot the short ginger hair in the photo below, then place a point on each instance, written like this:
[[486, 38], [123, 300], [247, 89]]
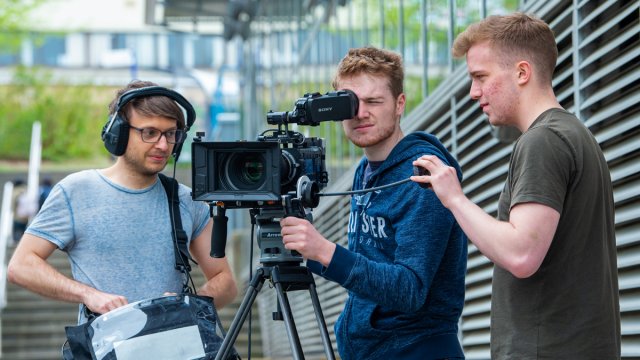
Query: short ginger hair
[[372, 61], [515, 37]]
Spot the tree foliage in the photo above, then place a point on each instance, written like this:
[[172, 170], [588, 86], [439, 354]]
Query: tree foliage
[[71, 117], [13, 15]]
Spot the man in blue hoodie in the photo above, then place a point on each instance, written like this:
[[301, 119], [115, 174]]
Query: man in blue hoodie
[[404, 271]]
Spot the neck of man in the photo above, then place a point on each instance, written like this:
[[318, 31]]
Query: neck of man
[[381, 150], [122, 174], [533, 105]]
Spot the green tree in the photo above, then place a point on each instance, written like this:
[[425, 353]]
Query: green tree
[[71, 117], [13, 15]]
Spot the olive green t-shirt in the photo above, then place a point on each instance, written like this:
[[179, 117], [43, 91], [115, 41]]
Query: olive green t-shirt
[[568, 309]]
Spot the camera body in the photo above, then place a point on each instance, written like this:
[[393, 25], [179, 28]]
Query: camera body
[[256, 174]]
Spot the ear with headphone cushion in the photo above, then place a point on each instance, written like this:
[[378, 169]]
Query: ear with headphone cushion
[[115, 133]]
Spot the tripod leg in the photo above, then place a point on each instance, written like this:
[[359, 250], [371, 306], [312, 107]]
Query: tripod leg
[[294, 340], [324, 333], [241, 315]]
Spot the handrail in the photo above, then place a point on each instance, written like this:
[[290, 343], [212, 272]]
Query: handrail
[[6, 226]]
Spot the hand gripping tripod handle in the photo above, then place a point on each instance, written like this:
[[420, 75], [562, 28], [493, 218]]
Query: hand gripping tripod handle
[[219, 233], [293, 207]]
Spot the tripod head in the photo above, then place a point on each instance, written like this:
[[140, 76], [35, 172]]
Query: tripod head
[[279, 265], [269, 238]]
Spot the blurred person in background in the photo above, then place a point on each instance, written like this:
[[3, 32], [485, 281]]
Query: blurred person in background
[[20, 208]]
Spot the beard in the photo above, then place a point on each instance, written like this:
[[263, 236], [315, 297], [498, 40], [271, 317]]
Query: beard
[[138, 165], [371, 139]]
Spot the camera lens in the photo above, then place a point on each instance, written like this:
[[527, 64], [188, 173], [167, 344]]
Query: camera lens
[[245, 171], [289, 166], [252, 171]]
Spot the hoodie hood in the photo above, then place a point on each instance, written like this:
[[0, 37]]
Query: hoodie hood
[[412, 147]]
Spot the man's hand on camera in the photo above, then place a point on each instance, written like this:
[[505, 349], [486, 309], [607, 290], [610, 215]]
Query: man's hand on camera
[[442, 178], [100, 302], [300, 235]]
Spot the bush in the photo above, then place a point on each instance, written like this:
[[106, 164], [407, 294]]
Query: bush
[[71, 117]]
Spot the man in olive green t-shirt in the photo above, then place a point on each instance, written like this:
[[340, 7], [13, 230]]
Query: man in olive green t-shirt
[[555, 283]]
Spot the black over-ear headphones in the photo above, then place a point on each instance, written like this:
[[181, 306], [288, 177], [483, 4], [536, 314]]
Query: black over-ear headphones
[[115, 133]]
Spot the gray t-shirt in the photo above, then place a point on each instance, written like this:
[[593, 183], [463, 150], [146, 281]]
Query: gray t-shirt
[[118, 240], [568, 309]]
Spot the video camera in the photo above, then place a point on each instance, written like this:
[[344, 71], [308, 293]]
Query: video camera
[[255, 174], [279, 175]]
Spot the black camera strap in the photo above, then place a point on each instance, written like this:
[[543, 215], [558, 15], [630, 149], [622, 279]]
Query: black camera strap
[[180, 238]]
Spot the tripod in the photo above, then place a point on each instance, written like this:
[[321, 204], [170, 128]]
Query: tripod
[[285, 278], [283, 269]]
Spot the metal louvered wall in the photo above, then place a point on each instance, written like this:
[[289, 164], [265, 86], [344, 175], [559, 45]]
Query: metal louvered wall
[[598, 78]]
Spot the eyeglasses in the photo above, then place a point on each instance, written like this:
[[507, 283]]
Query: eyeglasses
[[151, 135]]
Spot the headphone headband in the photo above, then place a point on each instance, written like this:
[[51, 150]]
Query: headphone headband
[[115, 133]]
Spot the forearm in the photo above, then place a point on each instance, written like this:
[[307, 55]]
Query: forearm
[[393, 285], [505, 245], [35, 274], [222, 288]]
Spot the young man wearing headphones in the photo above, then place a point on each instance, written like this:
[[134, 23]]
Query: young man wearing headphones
[[115, 223]]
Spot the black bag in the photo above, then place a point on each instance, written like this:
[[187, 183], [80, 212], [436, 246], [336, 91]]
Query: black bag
[[170, 327]]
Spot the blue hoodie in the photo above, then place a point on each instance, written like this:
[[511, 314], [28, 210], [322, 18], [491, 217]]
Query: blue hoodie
[[405, 266]]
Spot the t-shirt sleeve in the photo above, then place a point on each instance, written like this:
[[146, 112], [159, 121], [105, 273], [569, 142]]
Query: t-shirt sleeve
[[541, 169], [54, 221], [199, 211]]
